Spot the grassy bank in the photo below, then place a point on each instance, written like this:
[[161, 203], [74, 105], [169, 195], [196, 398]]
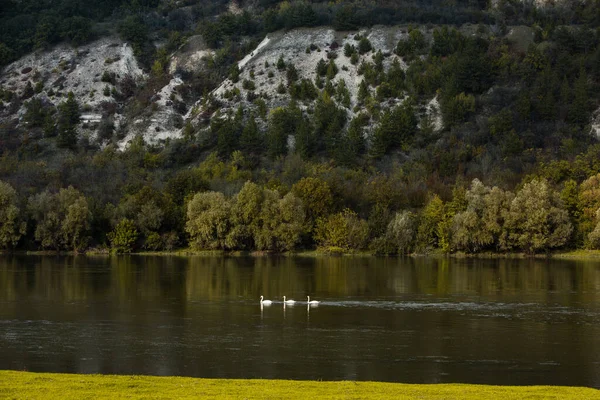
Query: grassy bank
[[27, 385], [579, 255]]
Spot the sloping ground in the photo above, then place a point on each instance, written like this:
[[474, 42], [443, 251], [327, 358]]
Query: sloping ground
[[190, 56], [63, 69], [27, 385], [295, 48], [56, 72]]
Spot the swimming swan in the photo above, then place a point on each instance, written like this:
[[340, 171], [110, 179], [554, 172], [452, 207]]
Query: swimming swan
[[312, 303], [265, 302], [290, 301]]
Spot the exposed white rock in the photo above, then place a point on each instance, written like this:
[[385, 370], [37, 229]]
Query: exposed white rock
[[292, 46], [91, 118], [163, 122], [234, 8], [64, 69], [164, 94], [434, 112], [190, 57], [249, 57], [56, 72], [596, 123]]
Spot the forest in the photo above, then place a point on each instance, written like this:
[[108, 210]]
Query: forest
[[515, 167]]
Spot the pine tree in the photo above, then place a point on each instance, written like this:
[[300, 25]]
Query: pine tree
[[250, 140], [306, 140], [579, 109], [69, 110], [67, 136], [396, 129], [68, 118], [363, 91]]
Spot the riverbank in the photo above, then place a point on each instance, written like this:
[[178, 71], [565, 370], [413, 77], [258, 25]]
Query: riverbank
[[28, 385], [185, 252]]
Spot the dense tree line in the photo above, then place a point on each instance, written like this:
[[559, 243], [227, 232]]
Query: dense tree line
[[535, 218]]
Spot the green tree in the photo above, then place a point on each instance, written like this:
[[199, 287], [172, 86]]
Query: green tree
[[578, 111], [154, 211], [364, 45], [344, 230], [283, 121], [570, 197], [456, 109], [363, 91], [432, 216], [7, 55], [208, 220], [402, 232], [316, 197], [245, 214], [280, 63], [68, 117], [133, 30], [291, 223], [77, 30], [75, 219], [480, 224], [12, 226], [62, 220], [589, 202], [124, 237], [332, 69], [396, 129], [251, 142], [262, 220], [536, 220]]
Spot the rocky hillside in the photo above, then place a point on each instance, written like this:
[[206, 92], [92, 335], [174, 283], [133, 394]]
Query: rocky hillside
[[102, 73], [99, 73]]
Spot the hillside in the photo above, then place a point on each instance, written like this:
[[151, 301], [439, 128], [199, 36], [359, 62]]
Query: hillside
[[353, 114]]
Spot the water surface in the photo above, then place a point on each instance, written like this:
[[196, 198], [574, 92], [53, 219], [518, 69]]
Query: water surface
[[416, 320]]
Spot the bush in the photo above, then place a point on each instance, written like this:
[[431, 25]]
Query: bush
[[124, 237], [344, 230], [153, 242], [364, 45]]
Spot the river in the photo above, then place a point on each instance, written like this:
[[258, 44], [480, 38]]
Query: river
[[413, 320]]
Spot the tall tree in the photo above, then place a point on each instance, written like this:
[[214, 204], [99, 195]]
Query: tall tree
[[12, 225], [536, 220]]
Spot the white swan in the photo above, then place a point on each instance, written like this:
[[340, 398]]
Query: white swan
[[290, 301], [313, 302], [265, 302]]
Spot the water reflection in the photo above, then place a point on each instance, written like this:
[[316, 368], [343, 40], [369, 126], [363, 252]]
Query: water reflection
[[130, 279], [411, 320]]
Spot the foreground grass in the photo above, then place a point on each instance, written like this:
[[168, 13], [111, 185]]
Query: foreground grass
[[28, 385]]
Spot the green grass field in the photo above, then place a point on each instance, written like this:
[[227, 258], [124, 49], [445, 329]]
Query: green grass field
[[28, 385]]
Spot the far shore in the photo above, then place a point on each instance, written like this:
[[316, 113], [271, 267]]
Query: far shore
[[186, 252]]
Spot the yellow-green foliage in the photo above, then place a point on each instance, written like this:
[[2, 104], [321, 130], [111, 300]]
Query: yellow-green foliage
[[27, 385], [344, 230], [124, 236]]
